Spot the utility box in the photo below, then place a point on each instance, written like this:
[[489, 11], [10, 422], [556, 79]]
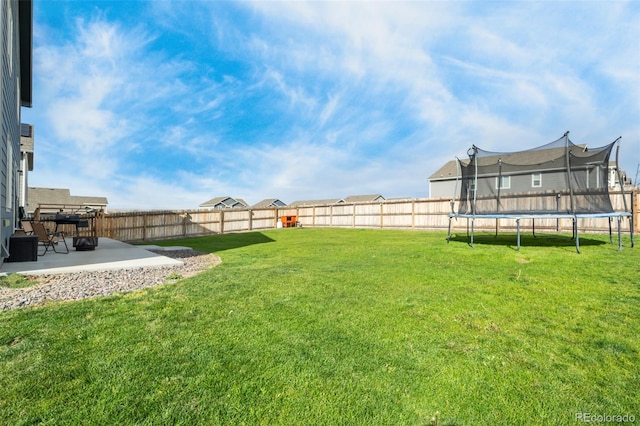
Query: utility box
[[288, 221], [23, 248]]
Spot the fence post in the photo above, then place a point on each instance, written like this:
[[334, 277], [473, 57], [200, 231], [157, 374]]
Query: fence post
[[144, 227], [184, 224], [99, 223], [353, 220], [413, 214], [221, 221]]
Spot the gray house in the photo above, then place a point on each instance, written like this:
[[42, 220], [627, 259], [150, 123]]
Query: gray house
[[442, 184], [16, 24], [522, 172]]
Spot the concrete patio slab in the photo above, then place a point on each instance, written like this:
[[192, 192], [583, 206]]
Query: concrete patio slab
[[108, 255]]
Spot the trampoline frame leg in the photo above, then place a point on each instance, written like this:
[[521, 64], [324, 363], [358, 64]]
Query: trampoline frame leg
[[472, 229], [610, 233], [575, 232], [619, 234], [533, 226]]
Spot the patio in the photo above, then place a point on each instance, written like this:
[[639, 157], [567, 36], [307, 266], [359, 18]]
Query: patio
[[108, 255]]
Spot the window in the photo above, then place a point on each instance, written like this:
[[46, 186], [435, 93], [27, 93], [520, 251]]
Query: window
[[503, 182], [536, 180]]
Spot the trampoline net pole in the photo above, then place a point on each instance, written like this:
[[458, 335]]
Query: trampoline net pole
[[569, 177], [620, 182]]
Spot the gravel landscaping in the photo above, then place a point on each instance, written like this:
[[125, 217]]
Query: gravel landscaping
[[81, 285]]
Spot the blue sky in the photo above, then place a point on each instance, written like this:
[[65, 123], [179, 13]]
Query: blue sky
[[167, 104]]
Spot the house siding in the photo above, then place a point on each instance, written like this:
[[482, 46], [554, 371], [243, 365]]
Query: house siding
[[550, 181], [557, 168], [10, 120], [443, 189]]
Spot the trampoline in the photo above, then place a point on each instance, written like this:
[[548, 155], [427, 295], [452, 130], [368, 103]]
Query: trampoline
[[558, 180]]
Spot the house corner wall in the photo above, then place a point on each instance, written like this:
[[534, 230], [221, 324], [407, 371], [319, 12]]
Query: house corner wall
[[10, 104]]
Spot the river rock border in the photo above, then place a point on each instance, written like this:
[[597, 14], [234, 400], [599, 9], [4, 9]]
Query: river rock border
[[82, 285]]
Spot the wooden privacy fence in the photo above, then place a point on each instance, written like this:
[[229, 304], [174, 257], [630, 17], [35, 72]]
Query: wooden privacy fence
[[418, 214]]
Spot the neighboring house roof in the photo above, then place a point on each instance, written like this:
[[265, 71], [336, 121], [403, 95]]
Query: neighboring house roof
[[38, 196], [89, 201], [448, 171], [317, 202], [363, 198], [60, 196], [330, 201], [224, 202], [269, 202], [533, 157]]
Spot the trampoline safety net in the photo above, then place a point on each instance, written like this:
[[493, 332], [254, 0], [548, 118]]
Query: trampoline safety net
[[556, 178]]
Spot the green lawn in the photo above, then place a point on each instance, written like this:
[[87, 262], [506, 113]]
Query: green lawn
[[343, 326]]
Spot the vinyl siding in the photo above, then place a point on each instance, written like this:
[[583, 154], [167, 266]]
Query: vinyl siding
[[10, 118], [443, 189], [551, 181]]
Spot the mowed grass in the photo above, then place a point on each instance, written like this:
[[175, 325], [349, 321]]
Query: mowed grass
[[340, 327]]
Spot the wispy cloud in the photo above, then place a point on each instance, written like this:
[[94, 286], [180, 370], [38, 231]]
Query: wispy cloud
[[318, 99]]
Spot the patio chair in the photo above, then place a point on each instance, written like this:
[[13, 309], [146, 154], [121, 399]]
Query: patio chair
[[48, 239], [26, 227]]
